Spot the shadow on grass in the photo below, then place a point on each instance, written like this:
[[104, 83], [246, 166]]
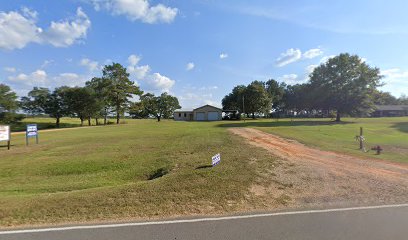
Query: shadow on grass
[[401, 126], [203, 166], [19, 127], [280, 123]]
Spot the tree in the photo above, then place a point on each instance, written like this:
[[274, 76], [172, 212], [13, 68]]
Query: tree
[[256, 98], [345, 84], [162, 106], [275, 91], [101, 88], [36, 101], [138, 110], [81, 102], [234, 100], [384, 98], [8, 105], [120, 88], [56, 106], [8, 99]]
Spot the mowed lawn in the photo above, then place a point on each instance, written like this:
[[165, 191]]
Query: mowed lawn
[[390, 133], [142, 169]]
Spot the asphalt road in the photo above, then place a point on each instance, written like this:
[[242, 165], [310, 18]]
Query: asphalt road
[[384, 222]]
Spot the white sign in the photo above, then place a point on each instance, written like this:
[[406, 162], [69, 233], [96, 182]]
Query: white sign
[[32, 130], [216, 159], [4, 133]]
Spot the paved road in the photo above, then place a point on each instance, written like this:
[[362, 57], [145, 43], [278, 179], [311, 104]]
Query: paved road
[[386, 222]]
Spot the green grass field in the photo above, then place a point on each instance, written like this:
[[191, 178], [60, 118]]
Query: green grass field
[[113, 172], [390, 133], [109, 172]]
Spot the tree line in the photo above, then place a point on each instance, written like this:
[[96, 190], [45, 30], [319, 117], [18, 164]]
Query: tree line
[[100, 98], [344, 85]]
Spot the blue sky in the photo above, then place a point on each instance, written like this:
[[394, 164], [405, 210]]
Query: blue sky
[[197, 50]]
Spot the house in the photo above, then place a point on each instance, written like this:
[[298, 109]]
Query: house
[[390, 111], [204, 113]]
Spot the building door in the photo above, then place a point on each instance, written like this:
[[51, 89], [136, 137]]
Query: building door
[[200, 116], [213, 116]]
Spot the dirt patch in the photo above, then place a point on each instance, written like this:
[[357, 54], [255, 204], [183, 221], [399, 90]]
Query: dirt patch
[[310, 176]]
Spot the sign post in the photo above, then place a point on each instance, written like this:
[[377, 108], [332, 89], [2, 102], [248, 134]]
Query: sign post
[[32, 131], [216, 159], [5, 134]]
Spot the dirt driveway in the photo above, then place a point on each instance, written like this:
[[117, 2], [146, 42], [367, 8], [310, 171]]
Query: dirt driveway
[[322, 178]]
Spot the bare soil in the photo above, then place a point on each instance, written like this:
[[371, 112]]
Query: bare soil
[[313, 177]]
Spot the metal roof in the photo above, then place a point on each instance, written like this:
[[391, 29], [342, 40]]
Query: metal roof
[[391, 107], [184, 110]]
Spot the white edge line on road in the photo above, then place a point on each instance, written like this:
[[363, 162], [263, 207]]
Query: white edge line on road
[[196, 220]]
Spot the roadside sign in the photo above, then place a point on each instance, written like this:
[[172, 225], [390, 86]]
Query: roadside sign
[[216, 159], [31, 131], [5, 134]]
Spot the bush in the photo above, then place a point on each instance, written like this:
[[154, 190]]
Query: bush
[[10, 117]]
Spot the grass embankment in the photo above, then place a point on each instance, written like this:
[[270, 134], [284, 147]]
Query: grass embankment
[[113, 172], [390, 133]]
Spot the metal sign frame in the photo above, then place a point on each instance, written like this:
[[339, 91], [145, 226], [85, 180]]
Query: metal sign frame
[[31, 131], [9, 135]]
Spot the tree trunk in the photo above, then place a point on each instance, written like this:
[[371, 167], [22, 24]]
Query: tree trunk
[[82, 122], [96, 121], [117, 117], [89, 121], [253, 115], [158, 118], [57, 122], [338, 116], [105, 120]]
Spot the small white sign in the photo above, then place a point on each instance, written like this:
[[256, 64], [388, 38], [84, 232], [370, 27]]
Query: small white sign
[[32, 130], [216, 159], [4, 133]]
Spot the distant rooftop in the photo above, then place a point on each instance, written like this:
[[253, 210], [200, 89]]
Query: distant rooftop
[[184, 110], [391, 107]]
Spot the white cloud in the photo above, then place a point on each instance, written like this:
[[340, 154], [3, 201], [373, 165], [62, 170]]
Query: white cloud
[[70, 79], [326, 58], [17, 29], [396, 81], [66, 33], [160, 82], [312, 53], [10, 69], [133, 60], [291, 55], [138, 10], [190, 66], [139, 72], [289, 79], [223, 55], [91, 65], [310, 68], [38, 77]]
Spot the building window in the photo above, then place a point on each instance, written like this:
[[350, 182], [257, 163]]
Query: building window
[[185, 114], [179, 114]]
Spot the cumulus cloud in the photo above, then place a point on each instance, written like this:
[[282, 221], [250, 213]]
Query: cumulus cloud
[[395, 80], [289, 79], [38, 77], [190, 66], [310, 69], [138, 10], [293, 55], [139, 72], [17, 29], [312, 53], [223, 55], [88, 63], [159, 82]]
